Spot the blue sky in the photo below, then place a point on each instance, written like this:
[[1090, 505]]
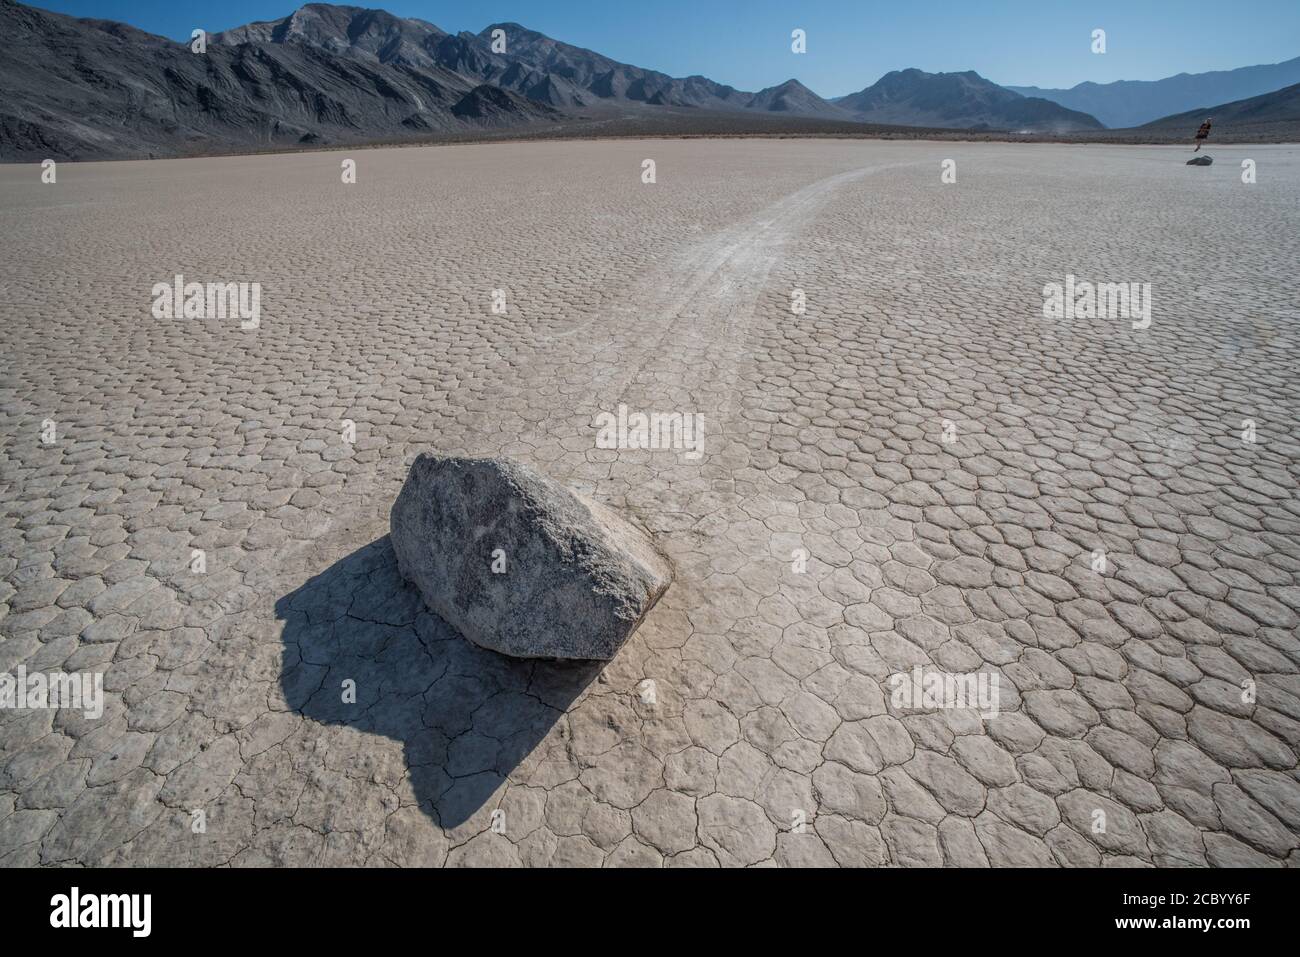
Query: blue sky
[[851, 43]]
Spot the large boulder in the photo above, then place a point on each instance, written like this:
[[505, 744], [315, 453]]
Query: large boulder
[[520, 564]]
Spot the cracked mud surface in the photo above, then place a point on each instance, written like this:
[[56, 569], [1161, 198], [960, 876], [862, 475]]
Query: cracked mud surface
[[1121, 691]]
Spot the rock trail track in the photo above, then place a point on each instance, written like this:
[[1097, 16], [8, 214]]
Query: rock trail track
[[756, 695]]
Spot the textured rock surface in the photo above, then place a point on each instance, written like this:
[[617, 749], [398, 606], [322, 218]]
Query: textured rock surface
[[520, 564]]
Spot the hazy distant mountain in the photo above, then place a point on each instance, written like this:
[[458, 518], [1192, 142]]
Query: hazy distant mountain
[[1263, 116], [959, 101], [1134, 102], [793, 97]]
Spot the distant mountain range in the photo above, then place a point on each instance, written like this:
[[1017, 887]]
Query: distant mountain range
[[1127, 103], [959, 101], [92, 89], [793, 97], [1258, 115]]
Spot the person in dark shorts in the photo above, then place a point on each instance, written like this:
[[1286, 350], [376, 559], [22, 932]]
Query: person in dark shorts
[[1202, 134]]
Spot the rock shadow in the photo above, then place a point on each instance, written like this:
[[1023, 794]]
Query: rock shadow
[[466, 717]]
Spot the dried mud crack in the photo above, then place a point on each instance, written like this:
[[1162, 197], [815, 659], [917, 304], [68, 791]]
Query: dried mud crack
[[917, 470]]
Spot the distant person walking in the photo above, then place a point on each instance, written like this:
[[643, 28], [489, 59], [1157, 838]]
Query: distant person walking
[[1202, 135]]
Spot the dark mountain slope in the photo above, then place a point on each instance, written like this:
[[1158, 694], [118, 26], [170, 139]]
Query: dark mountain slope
[[958, 101], [78, 88], [793, 97], [605, 78], [493, 106], [1263, 116]]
